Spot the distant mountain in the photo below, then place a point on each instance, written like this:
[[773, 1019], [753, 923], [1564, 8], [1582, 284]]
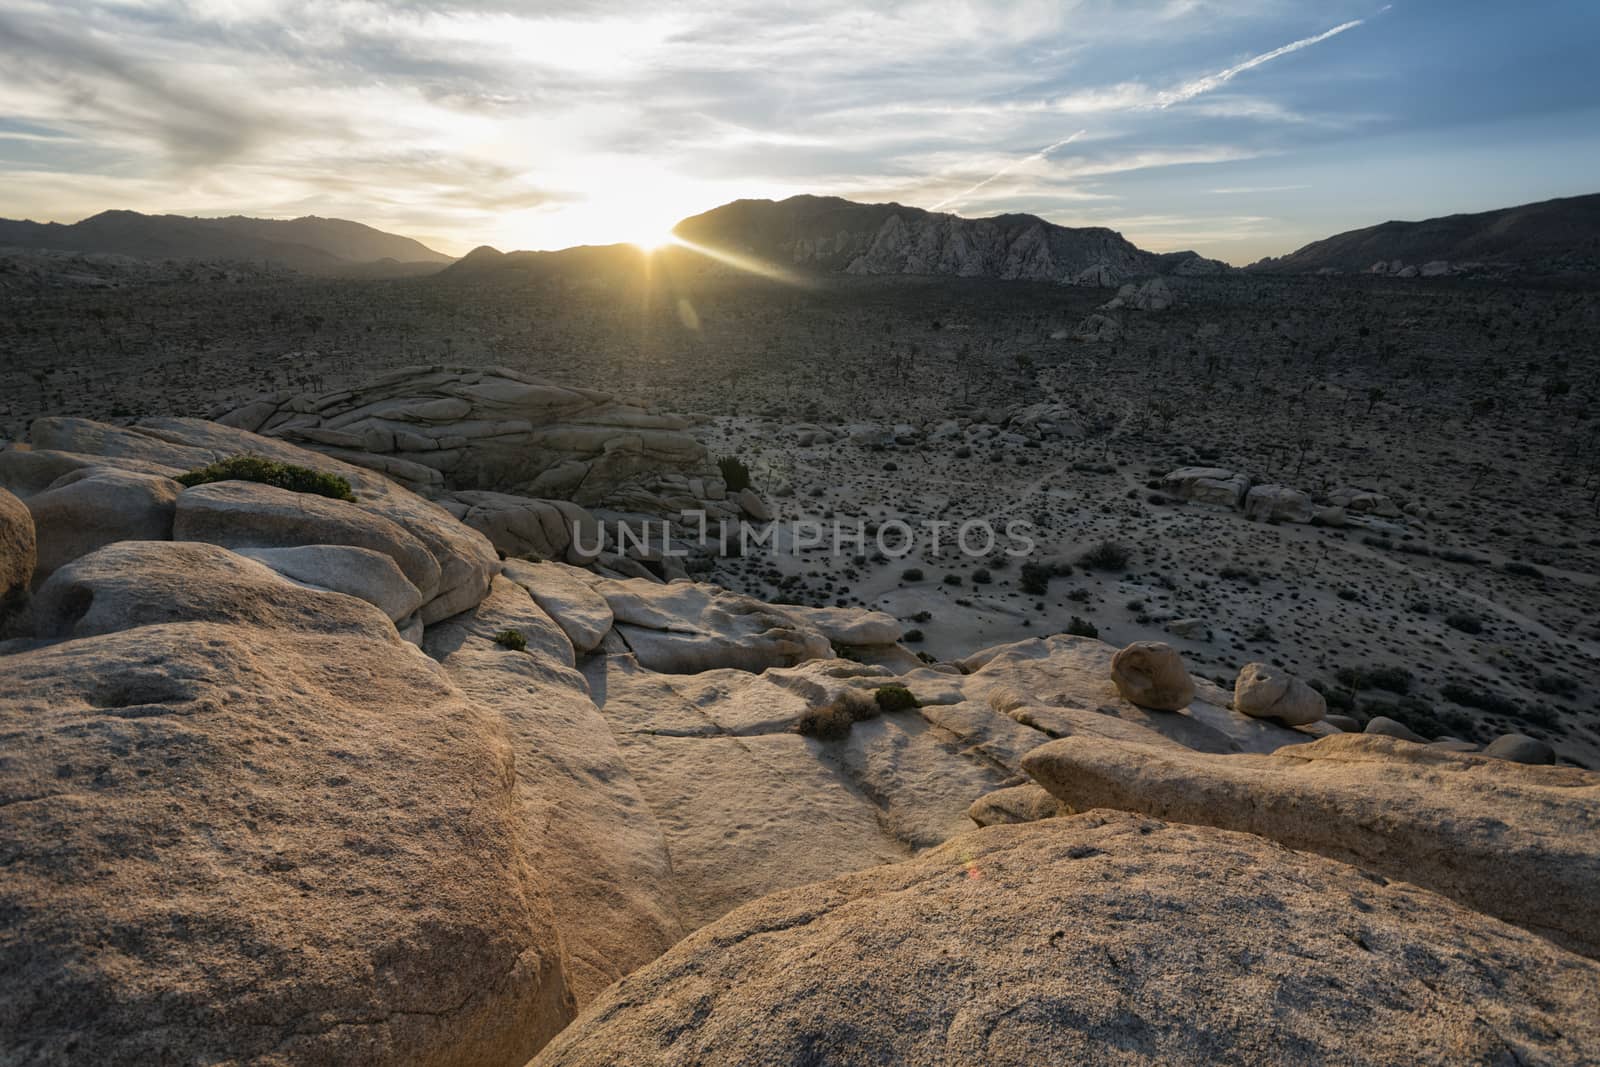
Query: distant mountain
[[1552, 235], [824, 233], [313, 245], [840, 235]]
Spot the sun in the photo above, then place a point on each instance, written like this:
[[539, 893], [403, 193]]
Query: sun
[[653, 240]]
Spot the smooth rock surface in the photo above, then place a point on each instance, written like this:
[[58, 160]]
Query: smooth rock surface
[[686, 627], [571, 601], [358, 572], [1473, 828], [585, 826], [232, 843], [1091, 939], [95, 506]]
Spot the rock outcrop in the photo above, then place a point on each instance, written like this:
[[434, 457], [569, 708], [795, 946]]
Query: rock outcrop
[[687, 627], [115, 483], [1061, 940], [838, 235], [435, 429], [18, 551], [253, 825], [1208, 485], [1478, 830]]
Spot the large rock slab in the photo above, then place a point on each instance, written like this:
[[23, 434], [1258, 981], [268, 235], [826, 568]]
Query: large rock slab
[[1077, 939], [226, 842], [358, 572], [95, 506], [465, 559], [248, 515], [18, 551], [1513, 841], [567, 598], [747, 805], [687, 627], [495, 429], [1208, 485], [143, 583], [520, 527], [585, 826]]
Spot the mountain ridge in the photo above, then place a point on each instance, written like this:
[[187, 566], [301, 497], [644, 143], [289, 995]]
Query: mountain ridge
[[1562, 233], [311, 244]]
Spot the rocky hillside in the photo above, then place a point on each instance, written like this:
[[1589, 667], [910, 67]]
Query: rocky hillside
[[313, 245], [840, 235], [300, 769], [1552, 235]]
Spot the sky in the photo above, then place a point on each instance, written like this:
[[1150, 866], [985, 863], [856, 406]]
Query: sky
[[1238, 128]]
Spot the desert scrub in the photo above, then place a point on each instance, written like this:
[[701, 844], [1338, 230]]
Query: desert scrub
[[894, 698], [832, 721], [734, 473], [247, 468], [1107, 556], [1078, 626], [511, 639]]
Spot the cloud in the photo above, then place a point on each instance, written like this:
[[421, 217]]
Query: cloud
[[1212, 82], [510, 122]]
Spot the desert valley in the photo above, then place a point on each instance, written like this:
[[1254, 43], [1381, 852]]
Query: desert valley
[[845, 634]]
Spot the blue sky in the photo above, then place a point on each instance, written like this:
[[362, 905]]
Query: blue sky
[[1238, 129]]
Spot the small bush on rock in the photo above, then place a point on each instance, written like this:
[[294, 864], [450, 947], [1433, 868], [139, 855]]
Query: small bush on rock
[[511, 639], [832, 721], [894, 698], [288, 476]]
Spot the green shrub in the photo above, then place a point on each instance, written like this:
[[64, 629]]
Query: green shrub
[[247, 468], [894, 698], [734, 473], [1394, 679], [511, 639], [913, 637], [1467, 624], [911, 574]]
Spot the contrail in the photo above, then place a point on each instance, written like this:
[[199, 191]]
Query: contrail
[[1007, 169], [1214, 81], [1173, 96]]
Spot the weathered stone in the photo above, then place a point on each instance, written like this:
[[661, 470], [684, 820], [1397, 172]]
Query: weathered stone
[[1267, 692], [17, 551], [233, 843], [1474, 828], [1014, 804], [1277, 503], [1208, 485], [1152, 675], [249, 515], [1519, 748], [585, 827], [96, 506], [572, 602], [687, 627], [358, 572], [1071, 940]]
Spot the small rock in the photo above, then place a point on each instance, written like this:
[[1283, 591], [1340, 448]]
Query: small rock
[[1152, 675], [1193, 629], [1382, 724], [1265, 692], [1520, 748], [1343, 722]]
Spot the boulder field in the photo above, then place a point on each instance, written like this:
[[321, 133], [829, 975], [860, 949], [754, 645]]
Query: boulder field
[[290, 779]]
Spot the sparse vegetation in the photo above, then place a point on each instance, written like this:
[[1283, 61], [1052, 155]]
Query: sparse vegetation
[[511, 639], [248, 468]]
